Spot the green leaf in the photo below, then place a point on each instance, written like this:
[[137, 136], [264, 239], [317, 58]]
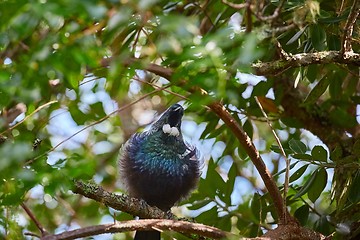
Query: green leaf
[[336, 154], [256, 206], [248, 127], [213, 185], [322, 225], [356, 148], [224, 223], [292, 122], [296, 175], [354, 194], [302, 214], [209, 217], [342, 118], [312, 72], [335, 87], [297, 146], [296, 36], [318, 185], [319, 153], [230, 184], [199, 204], [333, 42], [302, 156], [305, 188], [317, 91], [318, 37], [283, 170]]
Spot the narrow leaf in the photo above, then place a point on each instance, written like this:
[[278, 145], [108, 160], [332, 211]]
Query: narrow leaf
[[318, 185], [354, 194], [302, 214], [317, 91], [297, 146], [307, 185], [296, 175]]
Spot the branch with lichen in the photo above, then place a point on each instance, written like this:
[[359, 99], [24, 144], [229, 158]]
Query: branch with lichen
[[305, 59], [121, 202]]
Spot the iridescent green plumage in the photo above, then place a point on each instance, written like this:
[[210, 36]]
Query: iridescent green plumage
[[157, 165]]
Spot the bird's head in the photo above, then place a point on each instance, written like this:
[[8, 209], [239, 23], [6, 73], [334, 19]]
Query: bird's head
[[170, 121]]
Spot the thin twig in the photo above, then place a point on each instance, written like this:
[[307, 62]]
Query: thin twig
[[94, 123], [28, 116], [33, 218], [248, 14], [283, 53], [237, 6], [287, 161], [32, 234], [272, 17], [349, 27], [137, 78]]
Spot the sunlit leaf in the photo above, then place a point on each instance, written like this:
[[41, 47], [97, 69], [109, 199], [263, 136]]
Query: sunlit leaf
[[297, 146]]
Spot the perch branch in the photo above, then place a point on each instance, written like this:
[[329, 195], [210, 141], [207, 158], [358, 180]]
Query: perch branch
[[120, 202], [132, 205], [145, 224]]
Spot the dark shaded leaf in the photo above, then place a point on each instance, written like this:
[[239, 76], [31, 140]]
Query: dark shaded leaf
[[318, 37], [308, 184], [319, 153], [317, 91], [318, 185], [296, 175], [354, 194], [302, 214]]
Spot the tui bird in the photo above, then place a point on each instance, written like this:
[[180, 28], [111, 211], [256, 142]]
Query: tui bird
[[158, 166]]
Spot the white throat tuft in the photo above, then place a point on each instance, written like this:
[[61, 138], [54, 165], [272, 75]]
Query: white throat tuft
[[172, 131]]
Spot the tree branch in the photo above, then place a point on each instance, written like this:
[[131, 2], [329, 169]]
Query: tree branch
[[305, 59], [33, 218], [145, 224], [121, 202], [136, 207], [255, 157], [349, 27]]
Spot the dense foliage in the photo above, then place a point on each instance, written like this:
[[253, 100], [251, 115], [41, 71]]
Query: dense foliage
[[79, 77]]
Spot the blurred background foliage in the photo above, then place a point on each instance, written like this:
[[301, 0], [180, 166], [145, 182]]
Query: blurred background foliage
[[73, 88]]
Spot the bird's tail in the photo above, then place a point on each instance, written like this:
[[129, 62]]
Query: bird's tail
[[147, 235]]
